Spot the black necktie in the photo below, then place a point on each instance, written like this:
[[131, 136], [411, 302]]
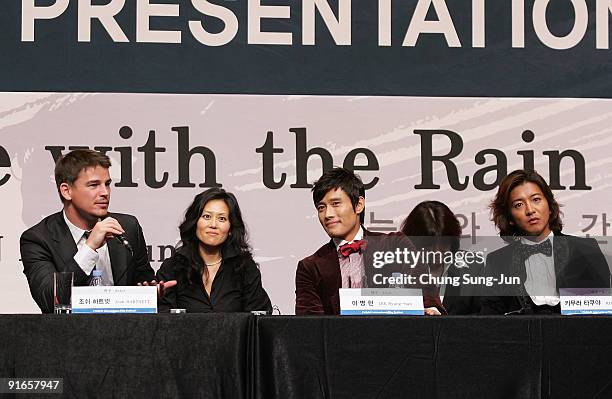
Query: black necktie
[[544, 247]]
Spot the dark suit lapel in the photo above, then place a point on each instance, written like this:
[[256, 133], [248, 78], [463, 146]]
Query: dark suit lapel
[[561, 255], [368, 257], [329, 269], [118, 258], [518, 269], [60, 233], [331, 265]]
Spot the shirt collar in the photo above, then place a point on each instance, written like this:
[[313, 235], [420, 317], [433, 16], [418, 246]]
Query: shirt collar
[[76, 232], [529, 242], [338, 241]]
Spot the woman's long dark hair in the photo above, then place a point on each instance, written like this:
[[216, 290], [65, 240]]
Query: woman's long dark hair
[[432, 219], [236, 242]]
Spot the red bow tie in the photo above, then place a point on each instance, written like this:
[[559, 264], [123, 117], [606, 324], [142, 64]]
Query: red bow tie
[[356, 246]]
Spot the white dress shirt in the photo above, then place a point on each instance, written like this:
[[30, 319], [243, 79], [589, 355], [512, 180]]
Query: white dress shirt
[[88, 258], [541, 282], [352, 269]]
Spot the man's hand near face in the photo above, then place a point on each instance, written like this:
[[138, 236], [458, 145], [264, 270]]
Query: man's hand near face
[[102, 231]]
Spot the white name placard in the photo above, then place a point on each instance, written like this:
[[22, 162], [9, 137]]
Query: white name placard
[[114, 299], [381, 301], [586, 301]]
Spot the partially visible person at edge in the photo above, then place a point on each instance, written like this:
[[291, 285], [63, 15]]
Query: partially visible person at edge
[[529, 219], [81, 237], [213, 266], [339, 198], [433, 226]]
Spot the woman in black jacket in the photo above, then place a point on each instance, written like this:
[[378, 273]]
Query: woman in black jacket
[[213, 266]]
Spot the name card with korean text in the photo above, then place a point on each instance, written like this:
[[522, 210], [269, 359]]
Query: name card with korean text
[[114, 299], [586, 301], [381, 301]]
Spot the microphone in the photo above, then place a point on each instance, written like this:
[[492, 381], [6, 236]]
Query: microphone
[[121, 238]]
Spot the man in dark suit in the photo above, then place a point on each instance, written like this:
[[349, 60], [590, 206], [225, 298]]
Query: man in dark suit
[[544, 260], [577, 262], [339, 197], [84, 235]]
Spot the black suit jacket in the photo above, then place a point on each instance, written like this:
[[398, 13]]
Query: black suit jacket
[[236, 288], [48, 247], [579, 263], [318, 278], [463, 299]]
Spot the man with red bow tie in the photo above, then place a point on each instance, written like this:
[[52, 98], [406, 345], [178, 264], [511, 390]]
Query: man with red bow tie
[[339, 197]]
